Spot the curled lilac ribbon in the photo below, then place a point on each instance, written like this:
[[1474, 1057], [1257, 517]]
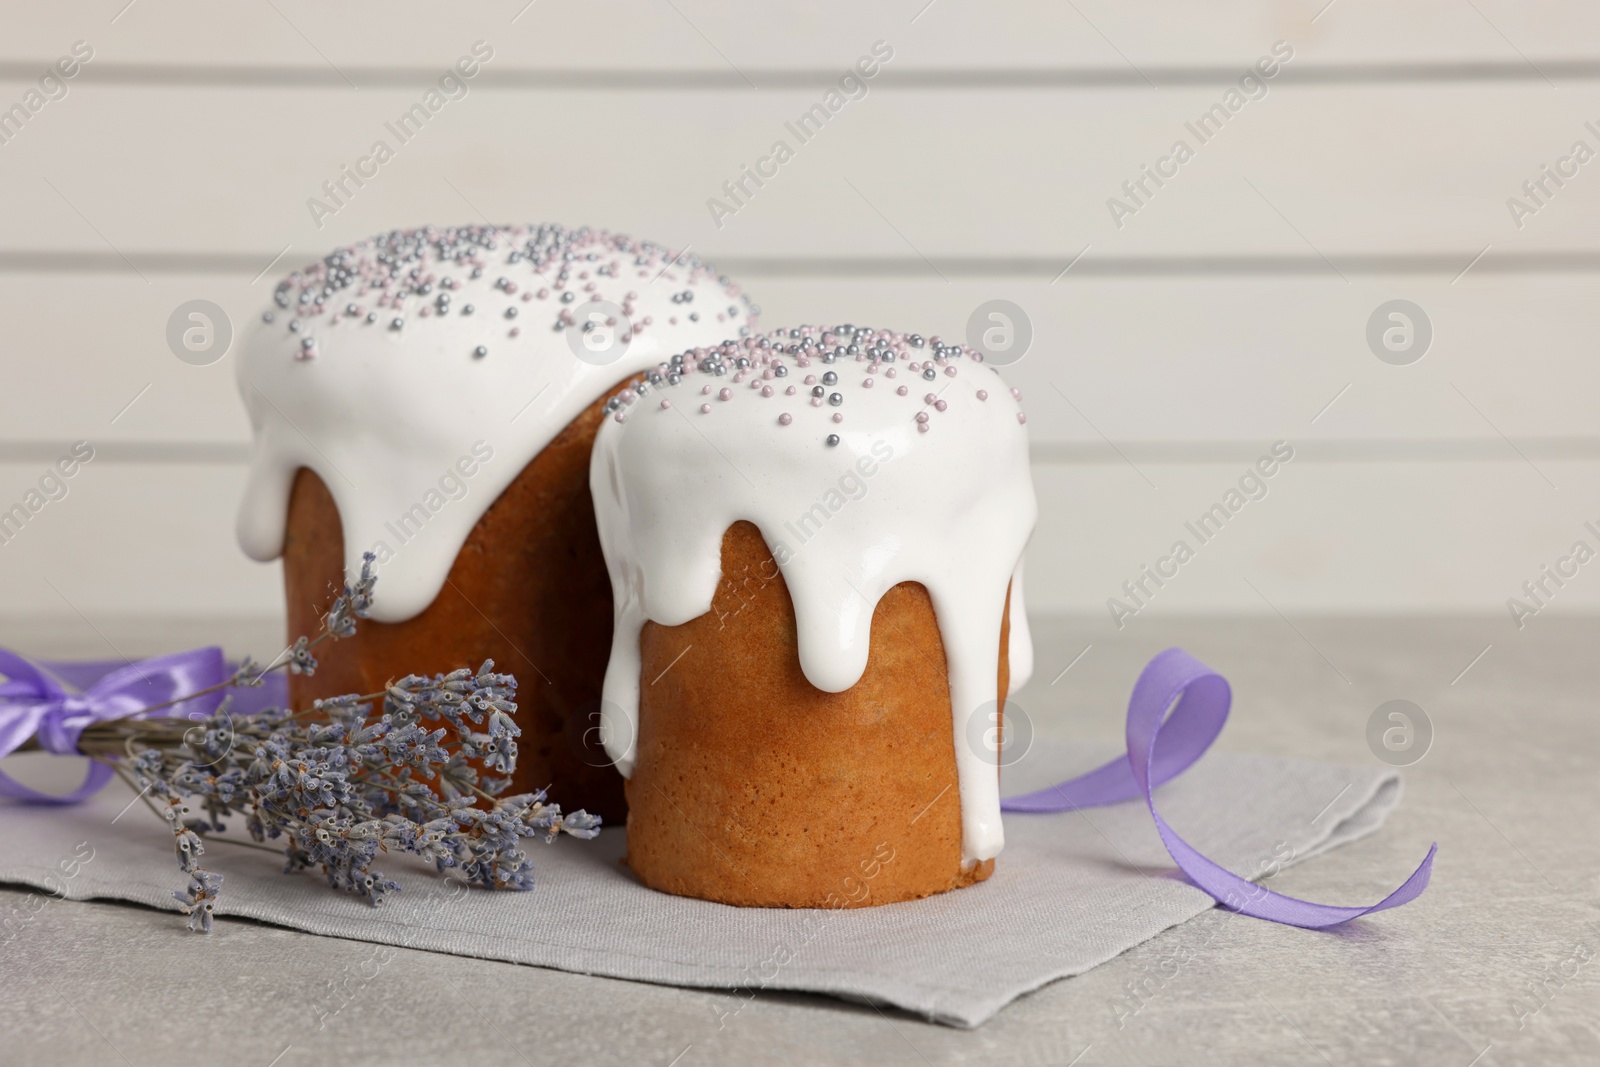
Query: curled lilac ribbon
[[1159, 751], [33, 704]]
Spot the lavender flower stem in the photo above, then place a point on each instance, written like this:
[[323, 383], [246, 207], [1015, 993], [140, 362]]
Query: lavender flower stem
[[349, 778]]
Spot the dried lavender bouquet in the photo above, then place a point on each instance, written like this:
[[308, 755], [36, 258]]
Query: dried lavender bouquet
[[340, 783]]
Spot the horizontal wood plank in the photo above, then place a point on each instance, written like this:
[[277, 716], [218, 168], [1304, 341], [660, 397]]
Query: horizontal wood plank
[[1129, 364], [1316, 175], [724, 35], [156, 540]]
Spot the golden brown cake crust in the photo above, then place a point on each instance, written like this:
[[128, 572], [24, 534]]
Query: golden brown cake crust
[[529, 589], [753, 787]]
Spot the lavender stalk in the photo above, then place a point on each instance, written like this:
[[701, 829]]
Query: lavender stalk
[[336, 786]]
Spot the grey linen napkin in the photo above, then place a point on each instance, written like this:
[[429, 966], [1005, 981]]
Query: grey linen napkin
[[1070, 891]]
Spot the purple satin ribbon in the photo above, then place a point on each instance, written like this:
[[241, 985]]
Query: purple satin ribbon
[[33, 704], [1159, 751]]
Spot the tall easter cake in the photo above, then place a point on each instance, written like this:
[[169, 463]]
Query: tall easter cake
[[815, 541], [431, 396]]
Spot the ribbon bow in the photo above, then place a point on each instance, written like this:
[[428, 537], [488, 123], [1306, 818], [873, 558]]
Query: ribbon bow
[[1163, 746], [34, 705]]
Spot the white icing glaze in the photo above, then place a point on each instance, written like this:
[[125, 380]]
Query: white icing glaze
[[950, 506], [384, 415]]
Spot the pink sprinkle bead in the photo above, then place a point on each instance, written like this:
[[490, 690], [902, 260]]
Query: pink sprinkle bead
[[725, 394], [950, 371], [922, 416], [922, 427], [1022, 416], [838, 417], [816, 401], [983, 394], [705, 390], [940, 405], [665, 404], [789, 391], [867, 384], [901, 391], [766, 390], [705, 409], [785, 419], [1016, 394]]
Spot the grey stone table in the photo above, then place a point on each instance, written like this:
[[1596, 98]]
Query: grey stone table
[[1494, 965]]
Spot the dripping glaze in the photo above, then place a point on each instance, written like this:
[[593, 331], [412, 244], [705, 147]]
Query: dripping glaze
[[418, 372], [866, 459]]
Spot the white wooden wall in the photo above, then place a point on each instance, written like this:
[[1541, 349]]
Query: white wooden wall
[[1228, 313]]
